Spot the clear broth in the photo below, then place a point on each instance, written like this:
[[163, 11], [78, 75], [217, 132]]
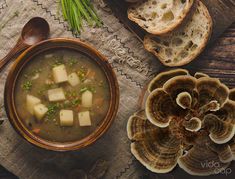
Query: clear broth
[[42, 65]]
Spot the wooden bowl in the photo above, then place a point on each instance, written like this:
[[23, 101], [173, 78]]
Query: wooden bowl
[[28, 55]]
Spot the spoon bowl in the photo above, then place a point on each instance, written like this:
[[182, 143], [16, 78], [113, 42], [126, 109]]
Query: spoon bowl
[[34, 31]]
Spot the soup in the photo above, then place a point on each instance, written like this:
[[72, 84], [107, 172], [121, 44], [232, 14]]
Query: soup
[[62, 95]]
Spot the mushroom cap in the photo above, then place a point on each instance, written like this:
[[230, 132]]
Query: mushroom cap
[[232, 147], [161, 78], [138, 127], [158, 156], [159, 108], [227, 112], [184, 100], [200, 75], [179, 84], [154, 147], [232, 94], [223, 151], [220, 131], [211, 89], [200, 160], [189, 120], [193, 125]]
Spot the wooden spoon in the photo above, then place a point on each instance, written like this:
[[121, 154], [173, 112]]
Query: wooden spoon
[[34, 31]]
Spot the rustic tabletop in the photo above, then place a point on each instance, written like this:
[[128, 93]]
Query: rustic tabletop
[[133, 66], [223, 53]]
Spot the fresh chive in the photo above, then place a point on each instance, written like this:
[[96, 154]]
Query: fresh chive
[[74, 11]]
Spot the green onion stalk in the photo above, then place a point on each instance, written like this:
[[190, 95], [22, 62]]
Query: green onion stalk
[[75, 11]]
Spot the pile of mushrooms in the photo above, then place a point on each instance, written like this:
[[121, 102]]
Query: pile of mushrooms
[[187, 120]]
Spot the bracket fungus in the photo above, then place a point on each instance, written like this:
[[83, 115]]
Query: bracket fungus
[[187, 120]]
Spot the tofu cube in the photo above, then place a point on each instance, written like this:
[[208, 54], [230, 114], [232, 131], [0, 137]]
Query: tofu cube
[[56, 94], [66, 117], [60, 74], [39, 111], [73, 79], [31, 101], [84, 118], [87, 99]]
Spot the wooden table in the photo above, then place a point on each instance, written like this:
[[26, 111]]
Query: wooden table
[[222, 51]]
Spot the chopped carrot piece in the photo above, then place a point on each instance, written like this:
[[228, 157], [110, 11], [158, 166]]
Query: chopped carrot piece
[[36, 130]]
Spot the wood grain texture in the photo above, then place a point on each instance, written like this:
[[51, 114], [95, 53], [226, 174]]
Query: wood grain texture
[[218, 60]]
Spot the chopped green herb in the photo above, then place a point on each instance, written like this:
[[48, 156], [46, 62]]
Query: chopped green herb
[[82, 90], [81, 75], [52, 110], [72, 62], [92, 89], [27, 85], [75, 102], [89, 88], [71, 94]]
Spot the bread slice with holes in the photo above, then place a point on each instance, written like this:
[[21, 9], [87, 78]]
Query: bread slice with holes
[[159, 16], [186, 43]]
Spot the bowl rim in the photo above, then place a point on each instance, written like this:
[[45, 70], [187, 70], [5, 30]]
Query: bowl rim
[[9, 93]]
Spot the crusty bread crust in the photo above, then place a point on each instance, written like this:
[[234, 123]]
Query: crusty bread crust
[[159, 25], [161, 46]]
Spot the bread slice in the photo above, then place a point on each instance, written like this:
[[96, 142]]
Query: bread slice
[[186, 43], [159, 16]]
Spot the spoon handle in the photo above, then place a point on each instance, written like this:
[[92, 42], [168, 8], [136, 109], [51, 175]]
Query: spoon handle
[[20, 46]]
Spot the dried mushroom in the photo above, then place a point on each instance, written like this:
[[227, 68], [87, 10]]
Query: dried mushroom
[[155, 147], [189, 120]]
